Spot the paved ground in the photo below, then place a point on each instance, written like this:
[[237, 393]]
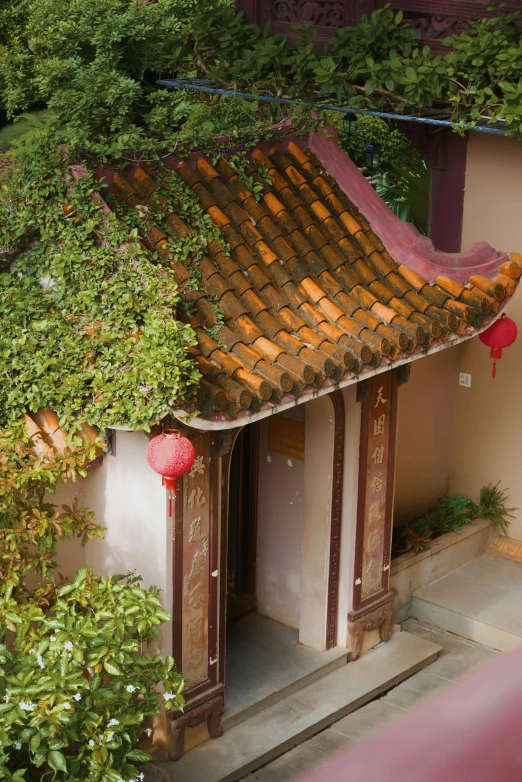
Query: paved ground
[[458, 658]]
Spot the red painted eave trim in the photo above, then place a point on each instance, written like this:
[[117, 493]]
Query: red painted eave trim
[[402, 240]]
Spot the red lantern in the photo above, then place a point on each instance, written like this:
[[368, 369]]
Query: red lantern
[[171, 455], [501, 334]]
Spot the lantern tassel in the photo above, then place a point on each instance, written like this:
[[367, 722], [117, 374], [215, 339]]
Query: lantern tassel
[[494, 370], [170, 503]]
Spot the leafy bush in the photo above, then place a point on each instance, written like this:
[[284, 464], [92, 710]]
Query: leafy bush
[[451, 514], [31, 525], [75, 684], [76, 681], [402, 179]]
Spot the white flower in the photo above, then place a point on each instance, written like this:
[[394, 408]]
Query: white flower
[[131, 688], [77, 697], [6, 697], [67, 706], [69, 646], [112, 722], [27, 706], [53, 638], [168, 696], [148, 731], [109, 736], [40, 661], [141, 777], [91, 742], [18, 745]]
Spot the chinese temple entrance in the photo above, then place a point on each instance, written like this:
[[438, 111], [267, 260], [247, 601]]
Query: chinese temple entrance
[[283, 515], [242, 525]]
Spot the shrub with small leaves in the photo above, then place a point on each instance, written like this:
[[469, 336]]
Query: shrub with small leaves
[[31, 524], [76, 683]]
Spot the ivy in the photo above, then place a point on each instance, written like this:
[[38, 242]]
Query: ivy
[[89, 316]]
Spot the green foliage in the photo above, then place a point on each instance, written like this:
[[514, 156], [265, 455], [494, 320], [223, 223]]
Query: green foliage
[[375, 64], [396, 149], [492, 506], [95, 65], [407, 193], [89, 317], [76, 681], [75, 684], [91, 62], [451, 514], [402, 179], [30, 523]]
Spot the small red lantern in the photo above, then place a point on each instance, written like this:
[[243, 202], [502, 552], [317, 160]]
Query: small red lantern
[[171, 455], [501, 334]]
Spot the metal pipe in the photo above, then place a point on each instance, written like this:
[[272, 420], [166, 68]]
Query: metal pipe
[[199, 86]]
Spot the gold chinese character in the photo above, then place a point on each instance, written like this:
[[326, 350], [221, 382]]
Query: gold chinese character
[[195, 530], [378, 424], [374, 512], [197, 496], [380, 397], [372, 570], [198, 468], [196, 630], [198, 565], [377, 484], [378, 454], [196, 658], [373, 541], [196, 597]]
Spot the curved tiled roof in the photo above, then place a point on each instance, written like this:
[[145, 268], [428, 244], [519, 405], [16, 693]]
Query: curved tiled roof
[[311, 296], [48, 438]]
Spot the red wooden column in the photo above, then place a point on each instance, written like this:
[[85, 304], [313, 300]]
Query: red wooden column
[[196, 592], [372, 599]]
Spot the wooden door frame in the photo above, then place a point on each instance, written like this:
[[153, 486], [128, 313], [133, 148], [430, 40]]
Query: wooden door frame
[[332, 609], [251, 463]]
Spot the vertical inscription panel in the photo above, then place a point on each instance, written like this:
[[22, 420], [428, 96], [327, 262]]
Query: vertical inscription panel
[[196, 566], [195, 570], [376, 474]]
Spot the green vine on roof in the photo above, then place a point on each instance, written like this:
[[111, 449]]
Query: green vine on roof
[[89, 326], [92, 322], [95, 325]]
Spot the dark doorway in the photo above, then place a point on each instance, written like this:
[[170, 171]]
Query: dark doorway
[[242, 525]]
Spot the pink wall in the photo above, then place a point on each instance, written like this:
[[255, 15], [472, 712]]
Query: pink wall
[[280, 530]]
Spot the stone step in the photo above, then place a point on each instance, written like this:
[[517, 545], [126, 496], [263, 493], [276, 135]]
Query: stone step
[[479, 601], [267, 735], [306, 666]]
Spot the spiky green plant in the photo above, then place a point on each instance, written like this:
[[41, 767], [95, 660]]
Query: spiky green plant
[[492, 506]]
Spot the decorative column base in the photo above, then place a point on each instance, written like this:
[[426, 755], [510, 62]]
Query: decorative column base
[[209, 710], [376, 615]]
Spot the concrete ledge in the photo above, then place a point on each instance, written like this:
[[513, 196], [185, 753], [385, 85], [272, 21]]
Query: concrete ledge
[[465, 626], [410, 572], [265, 736]]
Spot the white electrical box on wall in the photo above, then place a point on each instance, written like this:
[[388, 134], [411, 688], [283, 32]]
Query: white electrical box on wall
[[465, 380]]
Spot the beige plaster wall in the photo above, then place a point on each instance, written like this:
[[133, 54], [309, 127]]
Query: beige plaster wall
[[71, 554], [128, 499], [425, 434], [317, 515], [279, 530], [488, 416]]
